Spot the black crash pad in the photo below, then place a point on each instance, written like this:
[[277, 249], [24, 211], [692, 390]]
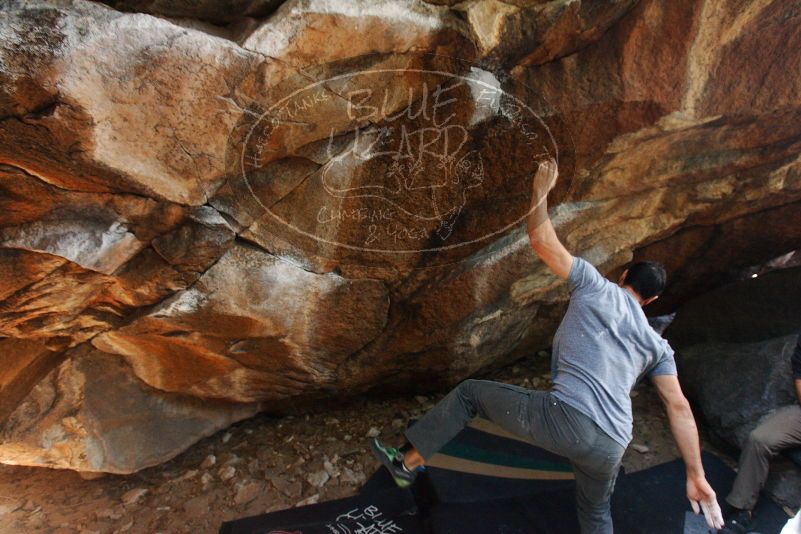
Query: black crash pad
[[652, 500], [387, 511]]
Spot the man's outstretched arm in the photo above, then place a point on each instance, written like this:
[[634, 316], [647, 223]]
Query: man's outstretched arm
[[541, 233], [685, 432]]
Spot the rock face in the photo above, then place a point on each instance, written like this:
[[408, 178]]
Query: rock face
[[733, 352], [211, 340], [274, 203], [93, 414]]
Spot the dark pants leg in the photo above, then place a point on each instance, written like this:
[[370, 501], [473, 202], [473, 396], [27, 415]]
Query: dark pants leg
[[503, 404], [542, 419], [596, 473], [779, 431]]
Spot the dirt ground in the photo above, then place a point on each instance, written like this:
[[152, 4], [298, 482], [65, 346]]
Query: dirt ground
[[260, 465]]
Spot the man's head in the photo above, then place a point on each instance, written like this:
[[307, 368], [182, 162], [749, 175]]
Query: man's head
[[646, 278]]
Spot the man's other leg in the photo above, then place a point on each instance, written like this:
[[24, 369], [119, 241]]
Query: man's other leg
[[596, 474], [780, 431], [503, 404]]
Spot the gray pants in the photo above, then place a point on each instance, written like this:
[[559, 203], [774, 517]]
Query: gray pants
[[542, 419], [781, 430]]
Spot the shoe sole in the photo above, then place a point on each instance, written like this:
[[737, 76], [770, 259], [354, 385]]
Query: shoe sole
[[386, 462]]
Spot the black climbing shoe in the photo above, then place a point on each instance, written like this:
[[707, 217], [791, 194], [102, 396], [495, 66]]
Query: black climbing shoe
[[392, 459], [738, 523]]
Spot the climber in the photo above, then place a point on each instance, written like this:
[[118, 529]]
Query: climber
[[782, 430], [602, 347]]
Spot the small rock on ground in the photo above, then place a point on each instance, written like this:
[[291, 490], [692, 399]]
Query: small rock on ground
[[133, 496], [248, 491]]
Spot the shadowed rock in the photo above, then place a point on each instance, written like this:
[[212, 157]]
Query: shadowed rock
[[734, 346]]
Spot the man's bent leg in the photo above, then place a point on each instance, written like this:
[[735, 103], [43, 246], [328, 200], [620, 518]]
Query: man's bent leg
[[503, 404], [781, 430]]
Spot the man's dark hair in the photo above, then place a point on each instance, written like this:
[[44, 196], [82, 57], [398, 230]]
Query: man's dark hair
[[647, 278]]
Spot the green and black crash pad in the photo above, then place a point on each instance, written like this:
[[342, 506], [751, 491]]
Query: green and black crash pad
[[486, 460]]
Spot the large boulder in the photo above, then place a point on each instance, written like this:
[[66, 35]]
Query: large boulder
[[274, 203], [733, 348], [738, 384]]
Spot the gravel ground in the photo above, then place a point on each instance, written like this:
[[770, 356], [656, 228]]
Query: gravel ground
[[260, 465]]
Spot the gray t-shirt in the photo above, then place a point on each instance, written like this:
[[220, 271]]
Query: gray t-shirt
[[602, 348]]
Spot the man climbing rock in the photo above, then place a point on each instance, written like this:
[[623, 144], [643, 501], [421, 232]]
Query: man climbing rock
[[603, 346], [782, 430]]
